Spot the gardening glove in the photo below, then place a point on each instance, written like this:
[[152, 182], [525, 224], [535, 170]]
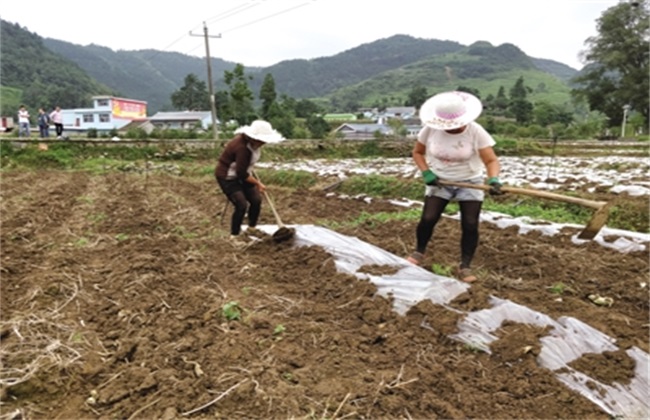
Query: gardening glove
[[429, 177], [495, 186]]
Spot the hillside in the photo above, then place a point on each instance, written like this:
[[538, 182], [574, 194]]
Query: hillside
[[42, 77], [386, 68], [480, 66], [144, 74], [323, 76]]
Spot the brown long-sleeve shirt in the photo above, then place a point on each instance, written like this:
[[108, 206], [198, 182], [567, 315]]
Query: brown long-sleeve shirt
[[236, 155]]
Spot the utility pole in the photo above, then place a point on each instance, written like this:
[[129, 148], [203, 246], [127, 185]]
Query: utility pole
[[626, 109], [213, 105]]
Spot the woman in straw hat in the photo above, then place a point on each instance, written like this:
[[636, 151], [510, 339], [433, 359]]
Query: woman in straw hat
[[452, 146], [234, 172]]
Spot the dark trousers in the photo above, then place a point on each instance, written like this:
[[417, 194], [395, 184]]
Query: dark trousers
[[246, 198], [469, 222], [59, 129], [44, 130]]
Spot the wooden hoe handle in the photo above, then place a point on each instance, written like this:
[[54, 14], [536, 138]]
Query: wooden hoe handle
[[530, 192]]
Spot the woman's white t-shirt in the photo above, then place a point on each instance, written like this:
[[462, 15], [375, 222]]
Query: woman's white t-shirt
[[455, 157]]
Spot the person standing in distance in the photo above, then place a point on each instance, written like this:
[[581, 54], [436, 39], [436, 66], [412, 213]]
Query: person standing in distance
[[234, 172], [452, 146], [43, 123], [57, 120], [23, 122]]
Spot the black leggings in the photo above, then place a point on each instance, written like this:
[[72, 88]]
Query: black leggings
[[469, 218], [246, 197]]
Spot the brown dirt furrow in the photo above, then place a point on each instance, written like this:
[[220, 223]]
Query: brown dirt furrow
[[158, 315]]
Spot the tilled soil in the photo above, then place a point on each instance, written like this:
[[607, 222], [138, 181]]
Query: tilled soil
[[122, 297]]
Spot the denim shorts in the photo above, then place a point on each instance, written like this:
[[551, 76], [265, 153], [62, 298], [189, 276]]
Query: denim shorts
[[457, 193]]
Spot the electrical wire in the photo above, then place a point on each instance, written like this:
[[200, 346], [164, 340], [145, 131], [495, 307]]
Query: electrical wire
[[223, 15], [227, 14], [266, 17]]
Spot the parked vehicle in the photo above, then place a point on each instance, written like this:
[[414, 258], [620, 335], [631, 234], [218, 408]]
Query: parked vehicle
[[6, 124]]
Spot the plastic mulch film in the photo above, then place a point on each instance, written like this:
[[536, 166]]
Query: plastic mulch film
[[408, 286], [568, 338]]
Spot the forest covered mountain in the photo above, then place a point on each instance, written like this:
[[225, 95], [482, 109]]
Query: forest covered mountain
[[43, 71]]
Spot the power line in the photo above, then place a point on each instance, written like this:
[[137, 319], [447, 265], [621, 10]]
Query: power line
[[223, 15], [229, 13], [265, 18]]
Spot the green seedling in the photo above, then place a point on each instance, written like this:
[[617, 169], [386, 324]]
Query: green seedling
[[184, 233], [81, 242], [231, 311], [558, 288], [96, 218], [279, 329], [121, 237], [473, 347], [441, 270], [288, 376]]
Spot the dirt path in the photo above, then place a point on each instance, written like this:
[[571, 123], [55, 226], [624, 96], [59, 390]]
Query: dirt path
[[114, 289]]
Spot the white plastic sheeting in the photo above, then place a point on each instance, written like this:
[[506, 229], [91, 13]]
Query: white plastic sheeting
[[621, 240], [621, 174], [567, 341], [568, 338]]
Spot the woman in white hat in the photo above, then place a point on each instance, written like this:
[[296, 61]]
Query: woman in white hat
[[234, 172], [452, 146]]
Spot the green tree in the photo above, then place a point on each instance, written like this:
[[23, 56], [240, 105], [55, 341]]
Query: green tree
[[223, 106], [193, 95], [397, 125], [281, 116], [417, 96], [546, 114], [617, 62], [267, 94], [318, 127], [519, 106], [240, 100], [305, 108], [501, 101]]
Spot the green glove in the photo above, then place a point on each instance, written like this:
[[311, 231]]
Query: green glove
[[495, 185], [429, 177]]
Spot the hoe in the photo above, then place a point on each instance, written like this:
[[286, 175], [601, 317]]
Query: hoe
[[597, 221]]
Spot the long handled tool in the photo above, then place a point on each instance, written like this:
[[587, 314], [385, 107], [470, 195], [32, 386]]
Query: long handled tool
[[283, 233], [597, 221]]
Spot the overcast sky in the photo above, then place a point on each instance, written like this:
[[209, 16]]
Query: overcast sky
[[264, 32]]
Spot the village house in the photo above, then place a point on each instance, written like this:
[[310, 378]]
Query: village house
[[108, 113], [351, 131], [182, 120]]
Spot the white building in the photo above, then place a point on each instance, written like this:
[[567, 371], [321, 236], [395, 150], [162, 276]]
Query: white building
[[182, 120], [107, 113]]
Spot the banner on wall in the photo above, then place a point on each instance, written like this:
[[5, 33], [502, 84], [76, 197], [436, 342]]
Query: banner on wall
[[129, 109]]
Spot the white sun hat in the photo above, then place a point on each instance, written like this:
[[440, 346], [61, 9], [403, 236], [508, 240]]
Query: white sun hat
[[261, 130], [449, 110]]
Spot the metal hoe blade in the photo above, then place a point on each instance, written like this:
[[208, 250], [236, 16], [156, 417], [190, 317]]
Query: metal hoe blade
[[596, 223]]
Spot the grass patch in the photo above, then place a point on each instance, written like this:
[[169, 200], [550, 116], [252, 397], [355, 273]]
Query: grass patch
[[540, 210], [289, 179], [382, 186], [372, 219]]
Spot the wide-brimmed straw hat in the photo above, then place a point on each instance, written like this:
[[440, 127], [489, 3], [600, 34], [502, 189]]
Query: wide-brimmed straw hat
[[261, 130], [449, 110]]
